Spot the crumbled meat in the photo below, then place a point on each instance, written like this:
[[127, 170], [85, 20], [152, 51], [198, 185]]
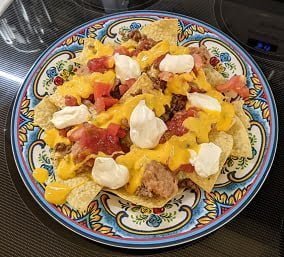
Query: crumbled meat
[[86, 167], [159, 84], [144, 43], [115, 92], [194, 88], [126, 143], [187, 183], [178, 103], [157, 62], [202, 52], [63, 132], [62, 148], [157, 181], [135, 35]]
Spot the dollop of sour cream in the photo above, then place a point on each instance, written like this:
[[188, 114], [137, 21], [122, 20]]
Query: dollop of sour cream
[[70, 116], [177, 63], [204, 101], [146, 129], [206, 160], [106, 172], [126, 67]]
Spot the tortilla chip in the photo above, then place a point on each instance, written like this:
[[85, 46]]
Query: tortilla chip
[[213, 77], [242, 146], [238, 106], [57, 99], [142, 85], [76, 181], [225, 142], [87, 51], [165, 30], [80, 197], [43, 113], [140, 200]]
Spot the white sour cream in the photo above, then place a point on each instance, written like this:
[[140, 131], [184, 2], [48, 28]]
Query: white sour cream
[[177, 63], [206, 160], [126, 67], [204, 101], [106, 172], [70, 116], [146, 129]]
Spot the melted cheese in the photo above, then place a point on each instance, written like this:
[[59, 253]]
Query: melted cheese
[[146, 58], [201, 125], [94, 49], [56, 192], [227, 117], [200, 80], [83, 86], [123, 110], [173, 153], [67, 168], [40, 175], [52, 137], [178, 84]]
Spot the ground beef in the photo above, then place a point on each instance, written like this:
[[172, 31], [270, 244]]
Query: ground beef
[[178, 103], [86, 167], [144, 43], [115, 93], [62, 148], [126, 143], [185, 183], [157, 181], [159, 84], [135, 35], [202, 52]]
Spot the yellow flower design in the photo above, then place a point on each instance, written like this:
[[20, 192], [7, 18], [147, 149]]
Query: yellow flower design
[[219, 67], [145, 210], [217, 203]]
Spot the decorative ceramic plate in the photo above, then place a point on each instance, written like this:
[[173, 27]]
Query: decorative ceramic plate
[[193, 213]]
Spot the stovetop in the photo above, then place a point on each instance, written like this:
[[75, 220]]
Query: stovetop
[[28, 27]]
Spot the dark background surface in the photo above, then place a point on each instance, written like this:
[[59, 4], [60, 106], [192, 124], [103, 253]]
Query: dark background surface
[[26, 29]]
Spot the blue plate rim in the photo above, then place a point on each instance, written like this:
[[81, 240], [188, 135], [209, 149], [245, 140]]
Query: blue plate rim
[[158, 243]]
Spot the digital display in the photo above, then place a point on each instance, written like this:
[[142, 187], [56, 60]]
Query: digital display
[[261, 45]]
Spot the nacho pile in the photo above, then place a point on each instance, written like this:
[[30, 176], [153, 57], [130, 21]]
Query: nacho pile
[[143, 120]]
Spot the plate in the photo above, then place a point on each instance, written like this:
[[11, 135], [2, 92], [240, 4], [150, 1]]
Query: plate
[[191, 214]]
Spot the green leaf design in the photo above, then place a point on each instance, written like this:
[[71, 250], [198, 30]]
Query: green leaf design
[[215, 51], [139, 219]]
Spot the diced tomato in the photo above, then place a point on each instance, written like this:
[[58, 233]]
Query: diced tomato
[[165, 75], [121, 133], [175, 126], [127, 84], [122, 50], [90, 139], [109, 101], [101, 89], [100, 104], [70, 100], [135, 52], [123, 88], [236, 84], [198, 63], [130, 82], [100, 64], [113, 129], [185, 167]]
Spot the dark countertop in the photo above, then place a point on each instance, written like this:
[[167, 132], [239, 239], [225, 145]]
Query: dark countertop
[[26, 230]]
